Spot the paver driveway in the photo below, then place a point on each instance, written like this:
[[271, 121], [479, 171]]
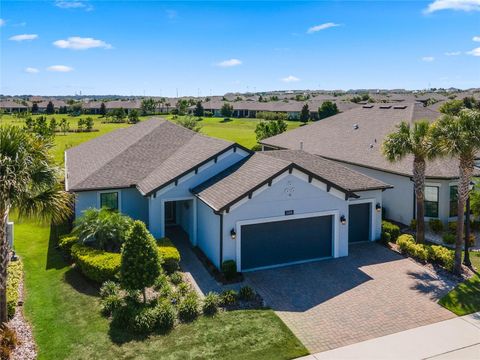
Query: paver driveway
[[373, 292]]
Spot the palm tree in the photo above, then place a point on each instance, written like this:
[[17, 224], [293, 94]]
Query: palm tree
[[459, 136], [408, 140], [29, 185]]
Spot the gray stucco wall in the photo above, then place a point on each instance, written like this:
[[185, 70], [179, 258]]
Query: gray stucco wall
[[208, 232]]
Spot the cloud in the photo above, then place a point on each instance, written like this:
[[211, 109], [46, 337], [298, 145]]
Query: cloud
[[229, 63], [474, 52], [458, 5], [60, 68], [79, 43], [428, 58], [476, 38], [321, 27], [171, 14], [2, 22], [23, 37], [68, 4], [31, 70], [453, 53], [290, 78]]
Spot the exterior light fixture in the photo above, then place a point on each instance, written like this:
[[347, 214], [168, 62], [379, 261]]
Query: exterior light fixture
[[343, 220], [378, 207], [233, 234]]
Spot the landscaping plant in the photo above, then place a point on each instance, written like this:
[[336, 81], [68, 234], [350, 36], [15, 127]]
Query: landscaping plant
[[210, 304]]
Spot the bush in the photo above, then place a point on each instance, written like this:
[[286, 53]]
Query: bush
[[165, 291], [165, 316], [66, 242], [246, 293], [160, 282], [404, 241], [386, 237], [228, 297], [144, 320], [97, 265], [452, 227], [418, 251], [110, 303], [169, 255], [15, 273], [229, 269], [176, 278], [443, 256], [392, 229], [8, 342], [188, 309], [210, 304], [435, 225], [109, 288], [413, 224], [449, 238]]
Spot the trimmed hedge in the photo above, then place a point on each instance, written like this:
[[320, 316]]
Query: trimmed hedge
[[169, 255], [97, 265], [15, 273], [390, 232], [66, 242]]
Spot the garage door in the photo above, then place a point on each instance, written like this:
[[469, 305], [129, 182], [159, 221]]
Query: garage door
[[281, 242], [359, 222]]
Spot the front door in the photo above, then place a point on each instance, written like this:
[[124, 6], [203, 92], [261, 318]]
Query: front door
[[170, 213], [359, 220]]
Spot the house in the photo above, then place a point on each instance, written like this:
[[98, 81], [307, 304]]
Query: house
[[259, 209], [354, 139], [10, 106]]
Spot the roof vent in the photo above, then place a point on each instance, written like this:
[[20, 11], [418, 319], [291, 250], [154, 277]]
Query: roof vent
[[371, 146], [385, 106], [355, 126], [367, 106], [400, 107], [301, 145]]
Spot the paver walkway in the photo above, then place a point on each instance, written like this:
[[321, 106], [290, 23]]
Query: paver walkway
[[371, 293]]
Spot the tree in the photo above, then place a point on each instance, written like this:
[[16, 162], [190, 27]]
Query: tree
[[148, 106], [416, 141], [266, 129], [34, 108], [140, 264], [182, 106], [304, 114], [29, 185], [226, 110], [65, 126], [190, 123], [133, 116], [199, 111], [89, 124], [470, 102], [452, 107], [459, 136], [328, 108], [50, 108], [103, 109]]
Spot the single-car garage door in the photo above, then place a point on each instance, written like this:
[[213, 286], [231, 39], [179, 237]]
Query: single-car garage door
[[281, 242], [359, 222]]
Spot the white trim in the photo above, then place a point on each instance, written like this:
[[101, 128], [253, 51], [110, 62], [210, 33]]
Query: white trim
[[433, 184], [194, 214], [335, 240], [119, 192], [373, 211], [65, 169]]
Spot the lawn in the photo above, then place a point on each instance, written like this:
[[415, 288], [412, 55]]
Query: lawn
[[465, 298]]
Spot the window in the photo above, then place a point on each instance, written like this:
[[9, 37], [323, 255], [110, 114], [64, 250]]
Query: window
[[431, 201], [453, 200], [109, 200]]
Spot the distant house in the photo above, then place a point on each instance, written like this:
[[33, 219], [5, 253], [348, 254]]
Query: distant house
[[258, 209], [10, 106], [354, 139], [57, 104]]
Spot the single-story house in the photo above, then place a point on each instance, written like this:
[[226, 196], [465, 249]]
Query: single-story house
[[354, 139], [10, 106], [259, 209]]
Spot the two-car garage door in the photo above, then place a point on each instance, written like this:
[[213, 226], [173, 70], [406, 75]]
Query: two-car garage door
[[287, 241]]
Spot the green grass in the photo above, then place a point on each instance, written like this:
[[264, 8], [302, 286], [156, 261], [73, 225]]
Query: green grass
[[465, 298]]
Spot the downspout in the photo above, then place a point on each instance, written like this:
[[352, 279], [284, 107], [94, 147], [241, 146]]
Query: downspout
[[221, 240]]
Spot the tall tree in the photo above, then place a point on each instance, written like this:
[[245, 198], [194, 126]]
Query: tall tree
[[328, 108], [148, 106], [34, 108], [226, 110], [459, 136], [266, 129], [304, 114], [50, 108], [103, 109], [29, 184], [199, 111], [416, 141]]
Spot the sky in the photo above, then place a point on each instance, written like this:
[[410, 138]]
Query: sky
[[157, 48]]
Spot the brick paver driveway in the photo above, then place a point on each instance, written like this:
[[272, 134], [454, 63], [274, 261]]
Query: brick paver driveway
[[373, 292]]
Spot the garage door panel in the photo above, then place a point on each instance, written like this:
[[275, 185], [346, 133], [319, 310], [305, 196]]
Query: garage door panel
[[359, 222], [281, 242]]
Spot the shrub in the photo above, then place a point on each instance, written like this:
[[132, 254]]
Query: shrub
[[8, 342], [97, 265], [176, 278], [246, 293], [471, 240], [442, 256], [228, 297], [15, 273], [448, 238], [110, 303], [413, 224], [436, 225], [183, 288], [404, 241], [160, 282], [109, 288], [452, 227], [210, 304], [165, 316], [188, 309], [144, 320], [418, 251], [392, 229], [386, 237], [66, 242], [169, 255], [165, 291], [229, 269]]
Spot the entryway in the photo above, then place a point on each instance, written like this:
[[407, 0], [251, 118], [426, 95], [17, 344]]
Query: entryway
[[181, 213]]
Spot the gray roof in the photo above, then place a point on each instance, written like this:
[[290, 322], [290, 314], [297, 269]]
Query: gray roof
[[148, 155], [238, 181], [336, 138], [8, 104]]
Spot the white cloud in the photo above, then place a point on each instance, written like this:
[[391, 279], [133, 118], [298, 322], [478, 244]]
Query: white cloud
[[453, 53], [229, 63], [459, 5], [23, 37], [321, 27], [474, 52], [79, 43], [31, 70], [2, 22], [428, 58], [290, 78], [69, 4], [60, 68], [476, 38]]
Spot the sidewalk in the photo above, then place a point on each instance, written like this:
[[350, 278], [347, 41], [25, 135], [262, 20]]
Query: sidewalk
[[457, 338]]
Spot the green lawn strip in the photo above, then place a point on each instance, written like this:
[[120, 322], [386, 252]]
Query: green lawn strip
[[465, 298]]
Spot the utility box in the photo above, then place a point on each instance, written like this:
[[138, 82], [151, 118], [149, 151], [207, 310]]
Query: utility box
[[10, 234]]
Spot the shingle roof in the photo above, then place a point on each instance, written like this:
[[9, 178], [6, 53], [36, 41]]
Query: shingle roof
[[337, 138], [239, 180], [148, 155]]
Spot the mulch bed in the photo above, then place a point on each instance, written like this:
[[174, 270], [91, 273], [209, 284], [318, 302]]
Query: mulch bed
[[214, 272]]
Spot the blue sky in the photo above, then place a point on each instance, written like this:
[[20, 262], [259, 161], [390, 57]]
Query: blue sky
[[155, 48]]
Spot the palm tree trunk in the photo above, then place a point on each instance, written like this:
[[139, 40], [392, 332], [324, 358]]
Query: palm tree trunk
[[419, 183], [465, 176], [4, 257]]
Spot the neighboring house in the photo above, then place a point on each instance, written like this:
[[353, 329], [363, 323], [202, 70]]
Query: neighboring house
[[354, 139], [259, 209], [9, 106]]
